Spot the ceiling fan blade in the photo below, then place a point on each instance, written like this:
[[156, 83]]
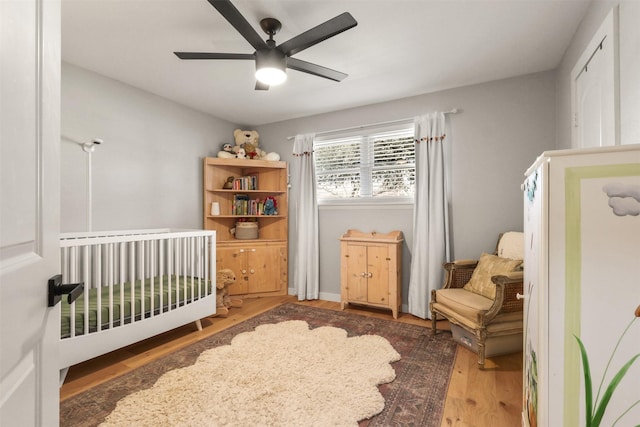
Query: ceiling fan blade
[[261, 86], [235, 18], [316, 70], [317, 34], [205, 55]]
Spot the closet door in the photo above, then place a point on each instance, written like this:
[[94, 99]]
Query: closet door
[[595, 90]]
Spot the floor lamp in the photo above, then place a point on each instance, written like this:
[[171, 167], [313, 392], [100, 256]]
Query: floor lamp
[[89, 148]]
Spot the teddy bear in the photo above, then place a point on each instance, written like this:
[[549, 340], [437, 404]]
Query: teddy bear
[[248, 140], [224, 278]]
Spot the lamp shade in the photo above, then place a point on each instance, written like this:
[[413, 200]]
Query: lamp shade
[[270, 67]]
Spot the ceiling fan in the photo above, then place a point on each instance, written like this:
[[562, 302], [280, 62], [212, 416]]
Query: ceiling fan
[[271, 60]]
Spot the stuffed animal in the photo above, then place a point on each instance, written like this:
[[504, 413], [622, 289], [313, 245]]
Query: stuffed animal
[[252, 150], [270, 207], [228, 184], [248, 140], [226, 152], [224, 278], [272, 157], [241, 154]]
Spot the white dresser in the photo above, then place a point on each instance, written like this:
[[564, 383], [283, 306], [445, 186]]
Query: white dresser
[[582, 278]]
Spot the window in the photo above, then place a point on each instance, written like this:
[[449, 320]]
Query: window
[[374, 165]]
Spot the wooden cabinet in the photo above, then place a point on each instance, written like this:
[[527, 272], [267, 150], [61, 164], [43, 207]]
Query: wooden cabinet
[[260, 264], [371, 269], [581, 280], [259, 267]]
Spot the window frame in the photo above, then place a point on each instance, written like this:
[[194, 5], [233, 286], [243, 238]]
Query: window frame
[[365, 135]]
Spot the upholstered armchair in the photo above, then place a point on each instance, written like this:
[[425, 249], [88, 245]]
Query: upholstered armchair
[[479, 299]]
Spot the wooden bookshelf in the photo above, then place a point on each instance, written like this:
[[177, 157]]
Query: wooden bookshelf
[[260, 264]]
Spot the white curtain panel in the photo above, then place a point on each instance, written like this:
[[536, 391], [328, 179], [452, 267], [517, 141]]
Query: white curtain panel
[[430, 215], [306, 277]]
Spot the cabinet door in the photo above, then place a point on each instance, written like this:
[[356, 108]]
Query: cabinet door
[[378, 274], [262, 272], [357, 272], [535, 281], [235, 259], [258, 269]]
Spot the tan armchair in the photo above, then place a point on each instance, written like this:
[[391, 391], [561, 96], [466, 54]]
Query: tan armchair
[[479, 299]]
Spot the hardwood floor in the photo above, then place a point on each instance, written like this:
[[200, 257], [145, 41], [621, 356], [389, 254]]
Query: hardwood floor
[[491, 398]]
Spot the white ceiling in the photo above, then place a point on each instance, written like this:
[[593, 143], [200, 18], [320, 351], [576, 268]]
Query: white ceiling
[[399, 48]]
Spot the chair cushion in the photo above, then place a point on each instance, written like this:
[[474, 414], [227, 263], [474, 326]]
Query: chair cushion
[[489, 266], [464, 303], [462, 307]]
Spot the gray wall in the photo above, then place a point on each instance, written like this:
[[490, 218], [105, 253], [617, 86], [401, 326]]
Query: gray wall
[[501, 129], [629, 36], [148, 173]]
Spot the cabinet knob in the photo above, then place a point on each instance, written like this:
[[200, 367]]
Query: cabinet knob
[[252, 271], [370, 275], [241, 250], [244, 271], [519, 296], [253, 249], [363, 274]]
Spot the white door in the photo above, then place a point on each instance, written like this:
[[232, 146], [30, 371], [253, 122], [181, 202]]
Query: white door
[[29, 210], [594, 84], [591, 105], [595, 118]]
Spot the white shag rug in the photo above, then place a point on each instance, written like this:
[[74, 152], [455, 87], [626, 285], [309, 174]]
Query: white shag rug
[[280, 374]]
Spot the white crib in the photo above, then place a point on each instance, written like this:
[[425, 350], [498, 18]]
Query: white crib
[[138, 284]]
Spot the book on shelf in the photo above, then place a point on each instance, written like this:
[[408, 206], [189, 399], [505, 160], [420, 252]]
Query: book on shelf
[[246, 183], [239, 204], [243, 205]]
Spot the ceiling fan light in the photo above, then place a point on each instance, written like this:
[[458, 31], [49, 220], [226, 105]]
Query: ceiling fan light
[[270, 67], [271, 76]]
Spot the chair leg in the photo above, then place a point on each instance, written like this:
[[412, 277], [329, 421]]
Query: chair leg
[[481, 356], [434, 316], [433, 322], [481, 348]]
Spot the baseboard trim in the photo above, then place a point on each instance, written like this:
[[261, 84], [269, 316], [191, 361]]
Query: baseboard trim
[[325, 296]]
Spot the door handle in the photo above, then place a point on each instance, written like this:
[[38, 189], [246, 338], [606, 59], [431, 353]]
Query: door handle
[[57, 289]]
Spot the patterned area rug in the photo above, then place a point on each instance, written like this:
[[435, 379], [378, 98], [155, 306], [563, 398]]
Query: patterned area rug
[[415, 398]]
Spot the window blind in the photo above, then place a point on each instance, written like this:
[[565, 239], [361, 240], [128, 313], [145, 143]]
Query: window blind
[[370, 165]]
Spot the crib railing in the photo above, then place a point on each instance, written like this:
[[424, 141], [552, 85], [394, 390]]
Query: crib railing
[[173, 267]]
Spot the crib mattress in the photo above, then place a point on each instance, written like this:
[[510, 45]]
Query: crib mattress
[[172, 284]]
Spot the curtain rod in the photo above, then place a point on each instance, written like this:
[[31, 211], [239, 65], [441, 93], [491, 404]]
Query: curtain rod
[[391, 122]]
